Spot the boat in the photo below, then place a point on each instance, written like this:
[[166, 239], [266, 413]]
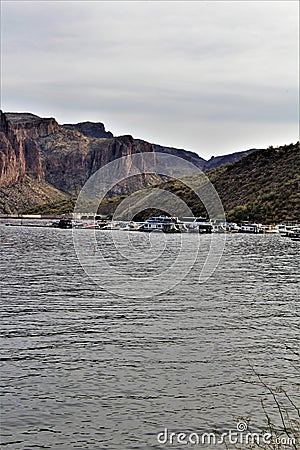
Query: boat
[[62, 223], [110, 225], [195, 225], [166, 224], [287, 230], [91, 226], [294, 234], [270, 229], [130, 226], [160, 224], [253, 228]]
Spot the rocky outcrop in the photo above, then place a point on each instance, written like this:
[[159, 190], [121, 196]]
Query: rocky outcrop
[[19, 152], [43, 151], [30, 126], [189, 156], [217, 161], [12, 158], [90, 129]]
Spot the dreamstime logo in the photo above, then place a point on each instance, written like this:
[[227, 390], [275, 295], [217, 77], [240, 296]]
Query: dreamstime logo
[[141, 265], [241, 436]]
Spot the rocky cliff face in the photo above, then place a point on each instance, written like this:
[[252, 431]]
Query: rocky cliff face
[[19, 152], [69, 158], [12, 157], [65, 156], [30, 126], [90, 129], [60, 155], [40, 150]]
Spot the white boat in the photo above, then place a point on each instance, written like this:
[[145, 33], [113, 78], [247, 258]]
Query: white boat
[[195, 225], [174, 225], [161, 224], [111, 226], [284, 229], [294, 233], [130, 226], [249, 228]]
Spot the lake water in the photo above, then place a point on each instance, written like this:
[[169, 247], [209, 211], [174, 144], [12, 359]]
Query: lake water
[[86, 369]]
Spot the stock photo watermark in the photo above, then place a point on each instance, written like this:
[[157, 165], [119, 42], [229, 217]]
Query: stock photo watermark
[[136, 270], [240, 436]]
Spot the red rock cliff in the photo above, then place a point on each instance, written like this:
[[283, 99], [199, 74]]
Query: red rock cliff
[[66, 156], [19, 152], [12, 158]]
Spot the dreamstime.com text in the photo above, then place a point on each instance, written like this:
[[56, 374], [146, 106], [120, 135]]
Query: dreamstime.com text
[[240, 436]]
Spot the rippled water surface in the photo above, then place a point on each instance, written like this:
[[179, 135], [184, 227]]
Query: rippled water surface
[[85, 369]]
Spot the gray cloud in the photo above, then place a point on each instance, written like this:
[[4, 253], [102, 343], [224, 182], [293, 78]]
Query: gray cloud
[[191, 74]]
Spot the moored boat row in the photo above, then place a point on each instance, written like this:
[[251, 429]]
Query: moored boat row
[[165, 224]]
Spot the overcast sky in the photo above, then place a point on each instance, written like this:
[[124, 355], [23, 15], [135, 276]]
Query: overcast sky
[[212, 77]]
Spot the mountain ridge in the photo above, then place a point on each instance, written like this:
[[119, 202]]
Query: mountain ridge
[[263, 186], [65, 156], [251, 189]]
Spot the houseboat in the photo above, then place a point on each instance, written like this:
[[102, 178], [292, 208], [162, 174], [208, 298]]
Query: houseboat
[[294, 234], [285, 230], [161, 224], [195, 225], [174, 225], [249, 228]]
